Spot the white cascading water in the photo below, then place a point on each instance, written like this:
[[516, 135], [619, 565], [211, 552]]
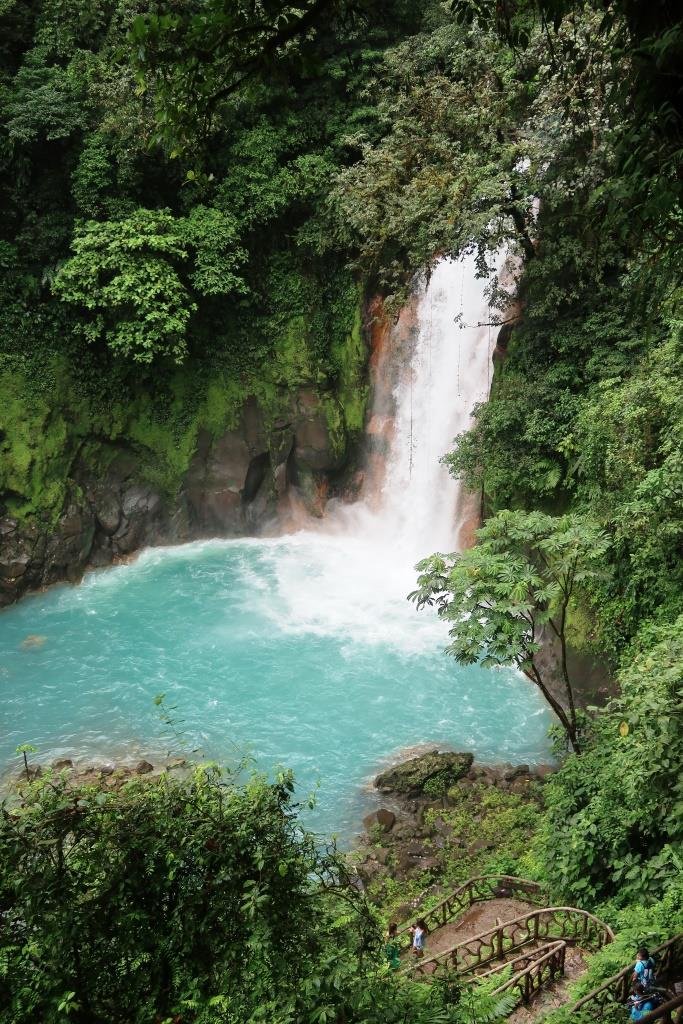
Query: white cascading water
[[448, 374], [351, 576]]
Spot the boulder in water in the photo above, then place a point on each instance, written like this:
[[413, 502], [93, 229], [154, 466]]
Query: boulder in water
[[430, 772]]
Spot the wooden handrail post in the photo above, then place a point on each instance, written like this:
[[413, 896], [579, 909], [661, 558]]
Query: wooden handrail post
[[665, 1013]]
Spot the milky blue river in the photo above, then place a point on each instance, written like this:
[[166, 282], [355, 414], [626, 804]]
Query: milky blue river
[[300, 651]]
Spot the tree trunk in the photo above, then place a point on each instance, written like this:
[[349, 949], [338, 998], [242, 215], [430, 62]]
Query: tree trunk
[[521, 227], [567, 723]]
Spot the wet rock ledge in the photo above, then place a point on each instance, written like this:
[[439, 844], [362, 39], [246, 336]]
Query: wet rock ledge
[[416, 834], [111, 775]]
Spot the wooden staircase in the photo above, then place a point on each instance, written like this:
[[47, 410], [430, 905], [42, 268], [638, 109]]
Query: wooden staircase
[[533, 945], [477, 890], [538, 927]]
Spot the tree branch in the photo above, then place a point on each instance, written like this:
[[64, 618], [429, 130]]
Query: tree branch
[[519, 221], [270, 46]]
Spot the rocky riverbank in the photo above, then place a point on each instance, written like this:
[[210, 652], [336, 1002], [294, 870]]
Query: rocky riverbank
[[88, 774], [444, 819]]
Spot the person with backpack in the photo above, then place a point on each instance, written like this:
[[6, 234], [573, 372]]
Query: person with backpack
[[641, 1002], [644, 969]]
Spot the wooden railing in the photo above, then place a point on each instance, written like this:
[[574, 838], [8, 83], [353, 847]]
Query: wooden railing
[[666, 1013], [576, 927], [541, 971], [616, 989], [475, 890], [531, 971], [518, 964]]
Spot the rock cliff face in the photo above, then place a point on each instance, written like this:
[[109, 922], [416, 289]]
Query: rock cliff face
[[87, 476], [238, 482]]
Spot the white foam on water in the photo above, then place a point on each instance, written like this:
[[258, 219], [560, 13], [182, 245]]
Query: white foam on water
[[350, 577]]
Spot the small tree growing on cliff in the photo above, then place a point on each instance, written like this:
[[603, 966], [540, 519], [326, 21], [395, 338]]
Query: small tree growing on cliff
[[522, 575]]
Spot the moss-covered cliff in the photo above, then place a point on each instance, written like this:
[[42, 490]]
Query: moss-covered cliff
[[180, 345], [90, 473]]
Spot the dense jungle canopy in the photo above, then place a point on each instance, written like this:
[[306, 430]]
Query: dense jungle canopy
[[181, 182]]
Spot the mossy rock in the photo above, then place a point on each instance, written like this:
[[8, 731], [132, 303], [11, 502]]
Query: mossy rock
[[428, 773]]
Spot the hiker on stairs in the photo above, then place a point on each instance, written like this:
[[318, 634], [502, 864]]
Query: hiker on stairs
[[641, 1001], [419, 932], [392, 950], [644, 969]]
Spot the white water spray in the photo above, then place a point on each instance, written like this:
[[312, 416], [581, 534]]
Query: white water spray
[[350, 576]]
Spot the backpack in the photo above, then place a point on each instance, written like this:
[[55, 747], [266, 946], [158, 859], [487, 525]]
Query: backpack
[[647, 976]]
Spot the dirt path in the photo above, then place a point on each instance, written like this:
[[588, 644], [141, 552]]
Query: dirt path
[[479, 918]]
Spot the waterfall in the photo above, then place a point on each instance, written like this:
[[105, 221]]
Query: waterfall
[[348, 574], [448, 374], [437, 374]]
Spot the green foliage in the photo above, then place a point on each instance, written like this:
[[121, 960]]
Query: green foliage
[[212, 235], [45, 105], [94, 184], [643, 107], [128, 275], [614, 827], [35, 456], [196, 56], [628, 467], [523, 573], [201, 898], [443, 175], [587, 413], [475, 829], [634, 926], [210, 258], [506, 821], [267, 173], [123, 272], [135, 900]]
